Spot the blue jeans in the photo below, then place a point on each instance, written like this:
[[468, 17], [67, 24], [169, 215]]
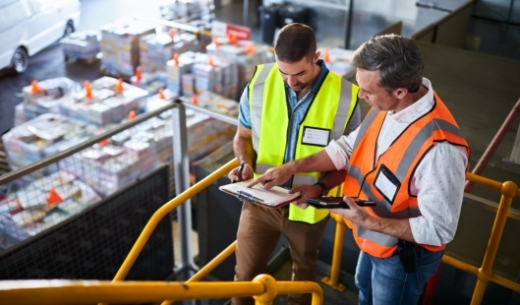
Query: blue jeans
[[382, 281]]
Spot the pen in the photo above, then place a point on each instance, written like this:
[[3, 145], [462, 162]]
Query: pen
[[240, 169]]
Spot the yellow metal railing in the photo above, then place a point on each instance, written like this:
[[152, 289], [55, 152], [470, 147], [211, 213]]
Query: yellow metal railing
[[210, 266], [333, 279], [484, 273], [281, 288], [165, 210], [264, 288]]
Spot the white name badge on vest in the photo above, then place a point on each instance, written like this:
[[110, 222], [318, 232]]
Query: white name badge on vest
[[387, 183], [315, 136]]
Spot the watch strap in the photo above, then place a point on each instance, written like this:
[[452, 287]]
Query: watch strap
[[324, 189]]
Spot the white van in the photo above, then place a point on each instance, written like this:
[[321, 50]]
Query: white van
[[28, 26]]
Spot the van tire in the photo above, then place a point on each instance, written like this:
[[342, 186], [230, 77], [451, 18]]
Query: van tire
[[69, 28], [20, 60]]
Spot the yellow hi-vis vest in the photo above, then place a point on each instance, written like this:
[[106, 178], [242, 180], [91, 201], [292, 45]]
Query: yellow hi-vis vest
[[329, 113]]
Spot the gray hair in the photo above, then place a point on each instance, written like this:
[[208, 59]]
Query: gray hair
[[397, 58]]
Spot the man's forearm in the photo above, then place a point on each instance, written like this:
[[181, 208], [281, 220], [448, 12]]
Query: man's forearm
[[399, 228], [333, 178], [243, 149], [318, 162]]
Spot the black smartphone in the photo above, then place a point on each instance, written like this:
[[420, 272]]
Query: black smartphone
[[336, 202]]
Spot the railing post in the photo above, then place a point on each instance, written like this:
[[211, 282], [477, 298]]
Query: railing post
[[348, 25], [245, 19], [182, 183], [333, 279], [485, 272]]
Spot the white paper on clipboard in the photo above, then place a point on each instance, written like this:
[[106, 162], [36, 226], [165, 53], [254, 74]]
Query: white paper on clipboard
[[274, 197]]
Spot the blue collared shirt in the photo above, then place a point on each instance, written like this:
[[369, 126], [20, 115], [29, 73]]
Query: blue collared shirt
[[297, 110]]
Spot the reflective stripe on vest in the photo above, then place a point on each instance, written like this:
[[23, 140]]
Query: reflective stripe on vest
[[401, 158], [331, 109], [364, 125]]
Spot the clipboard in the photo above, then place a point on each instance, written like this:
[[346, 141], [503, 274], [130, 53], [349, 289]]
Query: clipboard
[[274, 197], [336, 203]]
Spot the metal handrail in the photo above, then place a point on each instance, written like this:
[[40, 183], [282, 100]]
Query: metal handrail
[[489, 182], [509, 190], [216, 115], [264, 288], [204, 271], [493, 145], [165, 210], [484, 273]]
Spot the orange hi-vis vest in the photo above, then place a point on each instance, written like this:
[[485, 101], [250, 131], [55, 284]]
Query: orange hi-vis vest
[[397, 166]]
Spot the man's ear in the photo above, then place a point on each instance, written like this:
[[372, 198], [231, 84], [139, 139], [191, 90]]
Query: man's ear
[[316, 57], [400, 93]]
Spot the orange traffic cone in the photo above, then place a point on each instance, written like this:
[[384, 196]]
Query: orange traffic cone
[[210, 61], [131, 115], [194, 99], [233, 39], [138, 73], [88, 89], [53, 197], [326, 55], [250, 49], [119, 86], [176, 59], [161, 94], [104, 142], [35, 88]]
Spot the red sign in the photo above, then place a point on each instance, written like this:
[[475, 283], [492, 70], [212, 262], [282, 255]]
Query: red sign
[[241, 32], [224, 29]]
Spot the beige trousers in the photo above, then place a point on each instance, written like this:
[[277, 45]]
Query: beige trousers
[[259, 230]]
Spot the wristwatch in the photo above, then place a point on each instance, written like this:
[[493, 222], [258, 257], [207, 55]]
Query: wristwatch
[[324, 189]]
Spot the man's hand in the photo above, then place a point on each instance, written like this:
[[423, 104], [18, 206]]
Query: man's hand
[[355, 213], [247, 173], [399, 228], [274, 176], [306, 191]]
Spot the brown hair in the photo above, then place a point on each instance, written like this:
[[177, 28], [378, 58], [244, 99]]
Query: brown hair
[[294, 42]]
